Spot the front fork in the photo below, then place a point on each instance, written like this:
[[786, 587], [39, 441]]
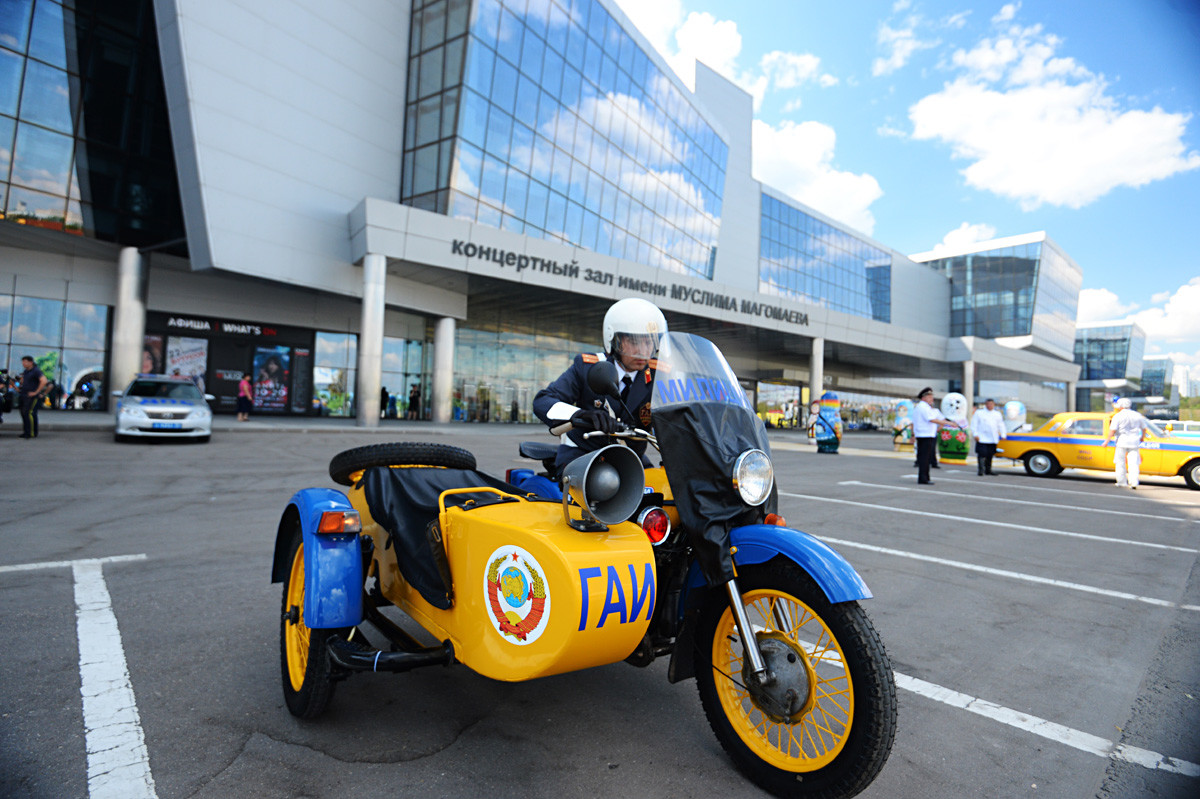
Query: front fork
[[758, 665]]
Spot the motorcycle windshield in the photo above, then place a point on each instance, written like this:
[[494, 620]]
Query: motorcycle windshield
[[703, 421]]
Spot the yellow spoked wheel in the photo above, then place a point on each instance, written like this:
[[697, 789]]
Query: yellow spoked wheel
[[307, 676], [825, 726], [815, 734], [295, 633]]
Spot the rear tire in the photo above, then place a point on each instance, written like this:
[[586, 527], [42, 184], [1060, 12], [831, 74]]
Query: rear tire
[[345, 464], [1041, 464], [308, 681]]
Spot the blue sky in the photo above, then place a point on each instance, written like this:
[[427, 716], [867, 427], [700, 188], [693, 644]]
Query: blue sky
[[929, 123]]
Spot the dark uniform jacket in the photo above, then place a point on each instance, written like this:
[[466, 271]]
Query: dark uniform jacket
[[557, 402]]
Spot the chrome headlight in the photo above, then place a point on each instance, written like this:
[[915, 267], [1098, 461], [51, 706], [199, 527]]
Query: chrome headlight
[[753, 476], [132, 410]]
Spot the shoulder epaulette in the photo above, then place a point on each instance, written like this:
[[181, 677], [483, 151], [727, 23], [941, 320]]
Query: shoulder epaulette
[[589, 357]]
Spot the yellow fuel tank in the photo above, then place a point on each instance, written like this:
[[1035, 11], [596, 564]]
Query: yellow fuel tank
[[532, 596]]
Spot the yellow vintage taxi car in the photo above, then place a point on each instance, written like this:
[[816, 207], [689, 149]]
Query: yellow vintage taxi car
[[1073, 440]]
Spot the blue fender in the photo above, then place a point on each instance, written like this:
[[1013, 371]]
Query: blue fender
[[333, 569], [758, 543]]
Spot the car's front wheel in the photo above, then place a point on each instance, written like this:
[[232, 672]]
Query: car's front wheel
[[1041, 464], [1191, 473]]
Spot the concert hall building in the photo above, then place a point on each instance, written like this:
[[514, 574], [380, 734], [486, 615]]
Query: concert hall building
[[441, 198]]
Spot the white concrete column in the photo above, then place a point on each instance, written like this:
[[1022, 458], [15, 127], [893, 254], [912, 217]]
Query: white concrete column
[[443, 369], [129, 319], [969, 386], [816, 371], [1071, 397], [370, 340]]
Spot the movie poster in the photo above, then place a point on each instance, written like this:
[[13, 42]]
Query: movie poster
[[152, 355], [271, 378], [188, 357], [301, 379]]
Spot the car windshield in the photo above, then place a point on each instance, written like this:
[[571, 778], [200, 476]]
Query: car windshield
[[160, 388], [1155, 430]]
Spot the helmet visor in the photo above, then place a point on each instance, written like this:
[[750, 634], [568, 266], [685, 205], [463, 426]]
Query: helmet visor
[[636, 345]]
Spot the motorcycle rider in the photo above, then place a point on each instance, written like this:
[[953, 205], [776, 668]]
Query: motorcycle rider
[[632, 330]]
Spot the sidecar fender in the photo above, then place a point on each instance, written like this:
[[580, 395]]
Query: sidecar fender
[[333, 569]]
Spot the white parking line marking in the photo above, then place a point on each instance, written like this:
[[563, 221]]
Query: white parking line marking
[[67, 564], [1076, 739], [990, 523], [1021, 501], [1029, 578], [1122, 494], [117, 761]]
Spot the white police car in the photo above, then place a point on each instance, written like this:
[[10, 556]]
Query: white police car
[[156, 406]]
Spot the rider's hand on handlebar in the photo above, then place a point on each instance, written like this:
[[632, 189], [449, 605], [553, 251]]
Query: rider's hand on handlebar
[[596, 419]]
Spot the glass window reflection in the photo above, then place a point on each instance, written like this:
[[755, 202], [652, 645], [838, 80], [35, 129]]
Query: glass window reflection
[[37, 321]]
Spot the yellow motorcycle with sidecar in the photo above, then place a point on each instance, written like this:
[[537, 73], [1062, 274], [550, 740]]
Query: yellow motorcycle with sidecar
[[524, 578]]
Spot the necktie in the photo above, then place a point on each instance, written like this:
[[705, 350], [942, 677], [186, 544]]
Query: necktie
[[627, 381]]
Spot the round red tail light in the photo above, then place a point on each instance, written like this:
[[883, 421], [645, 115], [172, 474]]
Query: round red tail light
[[656, 524]]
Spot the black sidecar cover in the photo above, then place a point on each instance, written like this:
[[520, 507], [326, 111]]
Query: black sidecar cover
[[404, 502]]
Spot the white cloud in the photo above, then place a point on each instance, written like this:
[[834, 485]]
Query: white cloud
[[1101, 305], [899, 45], [964, 236], [1006, 13], [956, 21], [789, 70], [798, 159], [888, 131], [1177, 320], [1042, 129]]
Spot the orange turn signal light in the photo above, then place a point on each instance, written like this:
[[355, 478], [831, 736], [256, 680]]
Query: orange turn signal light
[[339, 521], [775, 519]]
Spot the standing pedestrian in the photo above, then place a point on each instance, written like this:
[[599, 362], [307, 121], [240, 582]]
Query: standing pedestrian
[[987, 426], [1129, 428], [245, 398], [383, 402], [414, 402], [926, 421], [33, 383]]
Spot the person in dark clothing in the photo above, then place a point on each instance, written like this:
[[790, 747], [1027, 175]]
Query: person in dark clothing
[[632, 330], [33, 384]]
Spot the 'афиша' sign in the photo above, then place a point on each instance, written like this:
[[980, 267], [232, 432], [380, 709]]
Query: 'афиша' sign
[[520, 262]]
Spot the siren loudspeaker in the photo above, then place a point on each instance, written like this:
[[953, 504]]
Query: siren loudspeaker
[[608, 484]]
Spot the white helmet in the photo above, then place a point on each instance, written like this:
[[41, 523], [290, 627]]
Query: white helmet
[[633, 317]]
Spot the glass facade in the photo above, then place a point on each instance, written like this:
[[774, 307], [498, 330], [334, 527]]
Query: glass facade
[[809, 260], [1021, 290], [85, 146], [544, 117], [1111, 352], [67, 340], [1157, 375]]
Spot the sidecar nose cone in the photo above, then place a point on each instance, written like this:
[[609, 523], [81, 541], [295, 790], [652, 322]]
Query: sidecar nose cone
[[603, 482]]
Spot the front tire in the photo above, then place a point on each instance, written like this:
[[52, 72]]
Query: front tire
[[1041, 464], [1191, 474], [304, 658], [841, 734]]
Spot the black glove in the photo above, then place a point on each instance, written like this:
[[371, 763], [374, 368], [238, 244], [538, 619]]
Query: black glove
[[594, 419]]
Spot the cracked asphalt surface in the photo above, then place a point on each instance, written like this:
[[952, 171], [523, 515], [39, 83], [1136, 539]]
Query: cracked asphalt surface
[[199, 625]]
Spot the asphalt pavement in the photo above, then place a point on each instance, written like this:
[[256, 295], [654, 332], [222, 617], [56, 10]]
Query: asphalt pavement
[[1045, 634]]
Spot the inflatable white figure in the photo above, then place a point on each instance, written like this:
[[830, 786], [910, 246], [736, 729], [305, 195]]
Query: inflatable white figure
[[1014, 415], [954, 407]]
